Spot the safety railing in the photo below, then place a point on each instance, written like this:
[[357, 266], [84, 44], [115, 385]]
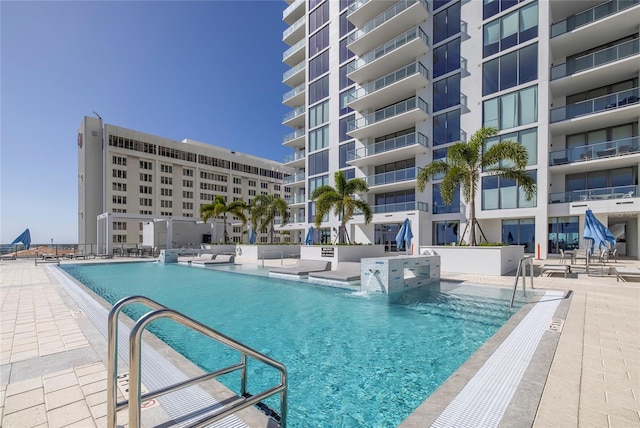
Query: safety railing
[[135, 347], [273, 251], [525, 261]]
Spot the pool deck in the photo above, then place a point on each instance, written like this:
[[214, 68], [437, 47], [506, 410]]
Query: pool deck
[[53, 371]]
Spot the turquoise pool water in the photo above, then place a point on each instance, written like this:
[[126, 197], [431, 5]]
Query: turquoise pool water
[[353, 360]]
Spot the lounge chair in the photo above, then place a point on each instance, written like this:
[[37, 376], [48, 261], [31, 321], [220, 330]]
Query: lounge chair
[[561, 161], [622, 272], [551, 269], [302, 268], [345, 272], [189, 259], [8, 257], [217, 260]]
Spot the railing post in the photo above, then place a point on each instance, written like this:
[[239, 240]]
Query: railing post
[[243, 374]]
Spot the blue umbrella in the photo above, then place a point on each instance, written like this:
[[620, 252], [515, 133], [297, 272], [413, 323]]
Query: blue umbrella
[[252, 237], [404, 235], [596, 232], [25, 238], [309, 239]]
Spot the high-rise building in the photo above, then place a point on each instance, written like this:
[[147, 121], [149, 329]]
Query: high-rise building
[[138, 177], [382, 88]]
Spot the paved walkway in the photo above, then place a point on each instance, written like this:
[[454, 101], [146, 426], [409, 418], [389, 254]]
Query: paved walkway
[[53, 372]]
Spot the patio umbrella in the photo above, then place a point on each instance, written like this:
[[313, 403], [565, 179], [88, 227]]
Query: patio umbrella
[[252, 236], [596, 232], [309, 239], [404, 235], [25, 238]]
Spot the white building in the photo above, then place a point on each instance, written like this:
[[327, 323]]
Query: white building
[[130, 178], [381, 88]]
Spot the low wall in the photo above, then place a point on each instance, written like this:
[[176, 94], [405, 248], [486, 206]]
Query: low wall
[[479, 260], [400, 273], [340, 253], [259, 252]]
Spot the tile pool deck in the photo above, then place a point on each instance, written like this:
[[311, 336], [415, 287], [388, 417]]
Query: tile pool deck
[[53, 371]]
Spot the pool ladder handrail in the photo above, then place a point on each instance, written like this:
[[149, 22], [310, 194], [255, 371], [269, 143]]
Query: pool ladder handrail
[[521, 271], [135, 340]]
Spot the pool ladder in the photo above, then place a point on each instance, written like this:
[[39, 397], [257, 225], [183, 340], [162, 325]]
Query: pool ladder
[[525, 261], [136, 398]]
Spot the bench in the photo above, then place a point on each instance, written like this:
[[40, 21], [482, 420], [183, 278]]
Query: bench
[[345, 272], [551, 269]]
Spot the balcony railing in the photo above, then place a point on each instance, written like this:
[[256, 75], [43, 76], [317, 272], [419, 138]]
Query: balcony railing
[[446, 209], [389, 79], [357, 5], [294, 157], [607, 149], [294, 178], [387, 145], [293, 6], [399, 207], [596, 59], [388, 112], [293, 49], [292, 93], [392, 177], [591, 15], [384, 17], [603, 193], [287, 74], [299, 23], [402, 39], [293, 135], [295, 199], [596, 105], [293, 113]]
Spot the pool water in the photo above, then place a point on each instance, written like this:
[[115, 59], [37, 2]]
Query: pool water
[[353, 360]]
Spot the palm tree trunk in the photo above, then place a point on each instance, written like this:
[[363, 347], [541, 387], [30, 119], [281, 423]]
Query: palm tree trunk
[[226, 235], [271, 228], [472, 219]]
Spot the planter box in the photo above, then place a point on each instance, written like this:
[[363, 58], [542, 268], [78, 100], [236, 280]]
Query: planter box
[[259, 252], [340, 253], [478, 260]]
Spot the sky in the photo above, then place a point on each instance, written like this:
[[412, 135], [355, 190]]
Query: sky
[[210, 71]]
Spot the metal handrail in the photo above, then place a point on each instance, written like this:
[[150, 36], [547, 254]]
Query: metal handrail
[[520, 271], [135, 348], [272, 251]]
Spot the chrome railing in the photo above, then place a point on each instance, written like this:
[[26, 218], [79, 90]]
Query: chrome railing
[[525, 261], [392, 177], [387, 145], [602, 193], [136, 397], [399, 207], [293, 135], [293, 70], [293, 49], [293, 27], [295, 156], [596, 59], [293, 92], [590, 15], [384, 17], [401, 40], [603, 150], [293, 113], [596, 105], [388, 112], [388, 80]]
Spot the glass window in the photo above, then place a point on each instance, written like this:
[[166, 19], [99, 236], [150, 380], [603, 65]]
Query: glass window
[[446, 23], [319, 89], [319, 65], [528, 64], [509, 70], [502, 193], [490, 8], [343, 150], [564, 233], [319, 41], [528, 105], [345, 25], [490, 76], [445, 232], [528, 22], [316, 182], [318, 114], [343, 127], [319, 162], [344, 80], [509, 30], [446, 58], [490, 198], [319, 138], [491, 38], [345, 3], [349, 173], [520, 232], [446, 93], [509, 110], [508, 193], [446, 128], [439, 206], [318, 17], [345, 54], [512, 109], [529, 139]]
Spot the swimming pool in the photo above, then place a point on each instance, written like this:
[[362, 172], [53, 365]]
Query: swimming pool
[[352, 359]]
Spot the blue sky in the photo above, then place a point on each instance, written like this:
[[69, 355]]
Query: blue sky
[[210, 71]]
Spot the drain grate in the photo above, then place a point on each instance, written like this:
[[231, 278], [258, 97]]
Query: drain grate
[[78, 314], [556, 325]]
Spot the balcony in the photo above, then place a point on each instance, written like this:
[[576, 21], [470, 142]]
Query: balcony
[[400, 207], [295, 97], [398, 18], [295, 159], [595, 113], [447, 209], [604, 193], [383, 60], [295, 32], [389, 119], [605, 67], [295, 138], [294, 118], [395, 149], [295, 75], [294, 11], [362, 11], [398, 85], [295, 53], [295, 200], [394, 180], [617, 151], [299, 176], [616, 19]]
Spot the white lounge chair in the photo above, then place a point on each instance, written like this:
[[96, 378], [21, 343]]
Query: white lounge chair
[[302, 268], [622, 272], [201, 257], [217, 260], [551, 269], [345, 272]]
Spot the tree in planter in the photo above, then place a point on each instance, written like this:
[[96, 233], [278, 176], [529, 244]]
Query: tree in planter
[[219, 207], [265, 210], [465, 161], [341, 199]]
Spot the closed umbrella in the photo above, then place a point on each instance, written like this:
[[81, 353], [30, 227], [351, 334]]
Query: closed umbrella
[[252, 236], [404, 235], [309, 239], [24, 238]]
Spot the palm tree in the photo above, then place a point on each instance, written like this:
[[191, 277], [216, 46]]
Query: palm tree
[[265, 210], [219, 207], [465, 162], [342, 200]]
